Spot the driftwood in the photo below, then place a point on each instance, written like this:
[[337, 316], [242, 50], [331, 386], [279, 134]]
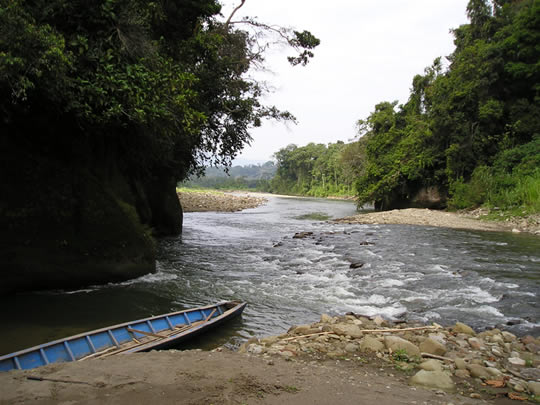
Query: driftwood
[[434, 356]]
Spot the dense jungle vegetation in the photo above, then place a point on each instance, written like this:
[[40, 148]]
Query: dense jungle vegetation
[[468, 134], [105, 106]]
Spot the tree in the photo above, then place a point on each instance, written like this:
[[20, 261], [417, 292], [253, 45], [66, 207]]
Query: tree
[[106, 105]]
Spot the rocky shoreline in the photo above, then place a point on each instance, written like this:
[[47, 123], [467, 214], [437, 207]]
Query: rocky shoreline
[[466, 220], [488, 365], [205, 201], [349, 359]]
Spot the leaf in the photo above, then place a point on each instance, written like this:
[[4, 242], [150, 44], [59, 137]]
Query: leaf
[[496, 383], [517, 397]]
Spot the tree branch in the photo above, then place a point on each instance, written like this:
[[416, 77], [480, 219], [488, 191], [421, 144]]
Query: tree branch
[[233, 13]]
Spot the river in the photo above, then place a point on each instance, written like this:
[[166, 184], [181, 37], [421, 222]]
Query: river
[[426, 274]]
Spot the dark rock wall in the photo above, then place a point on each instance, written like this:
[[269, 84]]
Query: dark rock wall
[[65, 225]]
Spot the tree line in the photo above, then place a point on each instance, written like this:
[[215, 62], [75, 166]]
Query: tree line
[[468, 134]]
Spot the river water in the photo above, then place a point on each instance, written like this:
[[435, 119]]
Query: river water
[[428, 274]]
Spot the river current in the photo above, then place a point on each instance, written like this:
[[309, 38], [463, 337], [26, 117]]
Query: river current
[[426, 274]]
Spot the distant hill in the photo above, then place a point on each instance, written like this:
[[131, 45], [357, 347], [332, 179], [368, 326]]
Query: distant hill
[[252, 177]]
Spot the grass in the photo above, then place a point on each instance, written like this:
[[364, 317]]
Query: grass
[[316, 216]]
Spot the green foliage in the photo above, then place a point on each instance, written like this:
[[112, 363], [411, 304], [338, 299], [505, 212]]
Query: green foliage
[[315, 170], [470, 130], [250, 177]]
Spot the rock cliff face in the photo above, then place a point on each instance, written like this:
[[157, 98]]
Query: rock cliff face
[[421, 197], [65, 225]]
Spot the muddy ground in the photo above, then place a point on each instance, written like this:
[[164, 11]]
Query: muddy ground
[[197, 378]]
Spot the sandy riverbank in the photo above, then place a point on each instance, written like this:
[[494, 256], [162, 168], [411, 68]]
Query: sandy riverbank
[[472, 221]]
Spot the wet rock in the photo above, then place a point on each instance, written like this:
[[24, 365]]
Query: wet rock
[[356, 265], [432, 346], [396, 343], [433, 379], [431, 365], [462, 328], [302, 235], [372, 344], [478, 371]]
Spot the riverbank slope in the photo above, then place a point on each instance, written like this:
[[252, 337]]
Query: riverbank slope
[[347, 359]]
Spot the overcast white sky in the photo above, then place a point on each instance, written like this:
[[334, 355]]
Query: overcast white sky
[[370, 51]]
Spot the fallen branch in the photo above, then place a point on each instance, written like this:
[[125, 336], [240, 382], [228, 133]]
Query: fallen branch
[[368, 331], [35, 378], [434, 356]]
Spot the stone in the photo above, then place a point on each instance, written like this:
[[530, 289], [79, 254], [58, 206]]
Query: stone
[[255, 349], [533, 347], [497, 339], [345, 329], [496, 351], [530, 373], [395, 343], [462, 328], [517, 362], [351, 348], [478, 371], [305, 330], [431, 365], [462, 374], [372, 344], [433, 379], [534, 387], [356, 265], [432, 346], [461, 364], [495, 372], [326, 318], [528, 339], [287, 355], [476, 343], [379, 321]]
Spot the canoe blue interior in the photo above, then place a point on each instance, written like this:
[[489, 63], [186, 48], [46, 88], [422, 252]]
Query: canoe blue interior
[[158, 332]]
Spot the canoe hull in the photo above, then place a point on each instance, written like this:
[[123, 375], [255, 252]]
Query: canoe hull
[[154, 333]]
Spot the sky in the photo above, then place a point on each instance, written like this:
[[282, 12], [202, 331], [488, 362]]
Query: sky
[[370, 51]]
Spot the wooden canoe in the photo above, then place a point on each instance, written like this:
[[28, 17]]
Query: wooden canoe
[[154, 333]]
